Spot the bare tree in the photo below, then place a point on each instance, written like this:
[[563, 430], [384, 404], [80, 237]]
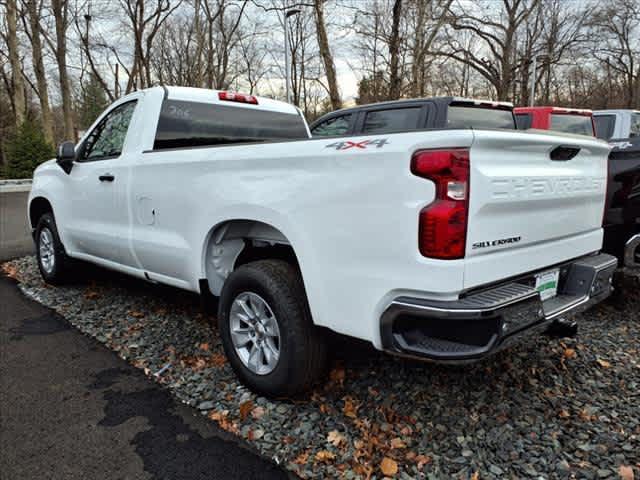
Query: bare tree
[[60, 11], [325, 53], [34, 11], [18, 97], [145, 23], [428, 20], [497, 32], [617, 28], [394, 52]]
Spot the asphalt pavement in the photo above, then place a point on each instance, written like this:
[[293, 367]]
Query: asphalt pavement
[[71, 409], [15, 233]]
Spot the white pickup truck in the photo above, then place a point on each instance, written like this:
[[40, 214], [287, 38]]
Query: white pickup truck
[[444, 245]]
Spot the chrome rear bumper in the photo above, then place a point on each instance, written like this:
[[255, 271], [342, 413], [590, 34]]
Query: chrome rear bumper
[[482, 323]]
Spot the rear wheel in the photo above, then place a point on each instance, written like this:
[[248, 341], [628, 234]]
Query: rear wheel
[[266, 329], [53, 262]]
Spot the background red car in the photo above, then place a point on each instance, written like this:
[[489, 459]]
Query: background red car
[[568, 120]]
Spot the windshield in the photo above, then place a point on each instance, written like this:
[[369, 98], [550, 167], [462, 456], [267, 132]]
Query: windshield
[[578, 124], [479, 117]]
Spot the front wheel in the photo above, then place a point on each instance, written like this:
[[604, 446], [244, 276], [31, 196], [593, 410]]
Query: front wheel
[[53, 263], [266, 329]]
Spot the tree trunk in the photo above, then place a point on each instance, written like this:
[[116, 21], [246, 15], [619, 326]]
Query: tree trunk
[[33, 11], [59, 8], [394, 52], [325, 53], [19, 104]]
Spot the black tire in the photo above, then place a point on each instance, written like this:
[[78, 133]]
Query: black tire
[[302, 346], [59, 271]]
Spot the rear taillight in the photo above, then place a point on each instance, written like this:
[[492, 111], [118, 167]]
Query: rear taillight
[[238, 97], [443, 223]]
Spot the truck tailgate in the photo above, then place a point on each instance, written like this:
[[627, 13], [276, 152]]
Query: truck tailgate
[[539, 193]]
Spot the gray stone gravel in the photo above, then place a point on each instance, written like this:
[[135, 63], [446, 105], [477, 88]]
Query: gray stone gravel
[[545, 409]]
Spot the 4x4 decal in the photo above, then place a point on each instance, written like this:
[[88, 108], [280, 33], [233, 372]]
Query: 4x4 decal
[[346, 145]]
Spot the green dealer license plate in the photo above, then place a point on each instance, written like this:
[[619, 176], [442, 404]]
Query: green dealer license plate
[[547, 284]]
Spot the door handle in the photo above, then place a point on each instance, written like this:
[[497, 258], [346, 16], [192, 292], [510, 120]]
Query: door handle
[[107, 177]]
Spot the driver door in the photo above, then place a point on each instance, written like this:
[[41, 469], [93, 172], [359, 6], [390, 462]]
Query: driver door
[[97, 189]]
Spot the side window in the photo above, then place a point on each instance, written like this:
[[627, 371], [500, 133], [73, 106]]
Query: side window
[[400, 119], [333, 126], [635, 125], [604, 126], [523, 121], [107, 138]]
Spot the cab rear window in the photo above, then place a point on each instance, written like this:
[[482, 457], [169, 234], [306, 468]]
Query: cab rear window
[[578, 124], [193, 124], [479, 117]]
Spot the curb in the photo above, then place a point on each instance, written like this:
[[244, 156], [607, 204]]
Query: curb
[[10, 186]]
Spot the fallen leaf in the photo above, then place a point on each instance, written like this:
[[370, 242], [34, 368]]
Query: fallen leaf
[[204, 346], [10, 271], [564, 414], [245, 408], [136, 314], [422, 461], [350, 408], [325, 456], [258, 412], [301, 459], [388, 466], [569, 353], [603, 363], [335, 438], [475, 476], [397, 443], [626, 472]]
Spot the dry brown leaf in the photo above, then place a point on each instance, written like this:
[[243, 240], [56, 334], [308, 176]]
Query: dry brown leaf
[[10, 271], [388, 466], [245, 408], [258, 412], [569, 353], [301, 459], [397, 443], [217, 415], [475, 476], [350, 408], [564, 414], [204, 346], [626, 472], [422, 461], [335, 438], [325, 456], [603, 363], [136, 314]]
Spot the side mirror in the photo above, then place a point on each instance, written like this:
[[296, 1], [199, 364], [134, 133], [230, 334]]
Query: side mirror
[[65, 156]]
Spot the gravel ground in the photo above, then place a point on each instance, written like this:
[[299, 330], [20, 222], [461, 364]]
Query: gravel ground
[[546, 409]]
